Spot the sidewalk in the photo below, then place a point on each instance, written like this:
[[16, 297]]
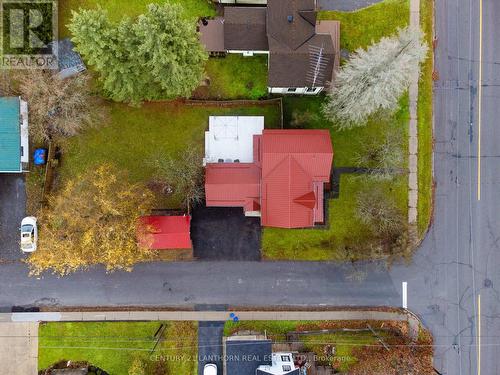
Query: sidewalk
[[19, 348], [413, 134], [202, 316]]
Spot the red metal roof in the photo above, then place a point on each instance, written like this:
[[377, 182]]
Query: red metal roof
[[232, 184], [289, 187], [164, 232], [294, 164]]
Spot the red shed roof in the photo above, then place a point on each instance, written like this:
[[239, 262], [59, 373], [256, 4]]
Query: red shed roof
[[232, 184], [164, 232]]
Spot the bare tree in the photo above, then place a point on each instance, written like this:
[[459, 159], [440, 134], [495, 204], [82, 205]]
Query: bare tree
[[184, 173], [57, 107], [378, 210], [383, 159], [374, 79]]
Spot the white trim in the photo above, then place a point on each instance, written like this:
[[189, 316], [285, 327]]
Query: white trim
[[23, 114], [298, 90], [248, 53]]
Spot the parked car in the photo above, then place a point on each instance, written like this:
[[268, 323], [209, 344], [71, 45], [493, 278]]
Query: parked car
[[210, 369], [29, 234]]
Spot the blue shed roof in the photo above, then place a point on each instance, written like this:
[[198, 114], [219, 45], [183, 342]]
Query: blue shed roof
[[10, 136]]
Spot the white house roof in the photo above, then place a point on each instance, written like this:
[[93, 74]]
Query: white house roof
[[230, 138], [282, 364]]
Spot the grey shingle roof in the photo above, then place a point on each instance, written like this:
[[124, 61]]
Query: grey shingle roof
[[245, 29], [243, 357]]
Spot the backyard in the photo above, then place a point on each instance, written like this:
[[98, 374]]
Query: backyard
[[132, 137], [114, 346], [230, 77], [343, 345]]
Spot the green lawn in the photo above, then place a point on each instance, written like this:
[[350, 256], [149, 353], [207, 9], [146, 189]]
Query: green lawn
[[425, 137], [345, 232], [113, 346], [126, 8], [132, 137], [345, 237], [363, 27], [236, 77]]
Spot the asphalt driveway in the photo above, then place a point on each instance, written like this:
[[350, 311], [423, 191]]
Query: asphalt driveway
[[210, 345], [345, 5], [225, 233], [12, 210]]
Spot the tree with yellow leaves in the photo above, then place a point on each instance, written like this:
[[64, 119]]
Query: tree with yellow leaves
[[92, 220]]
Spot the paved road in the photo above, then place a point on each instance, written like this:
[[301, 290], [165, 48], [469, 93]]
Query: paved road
[[457, 264]]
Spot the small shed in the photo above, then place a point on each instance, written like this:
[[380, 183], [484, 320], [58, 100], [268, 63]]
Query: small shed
[[164, 232], [70, 62]]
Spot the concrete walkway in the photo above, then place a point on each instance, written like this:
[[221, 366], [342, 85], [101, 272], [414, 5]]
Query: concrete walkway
[[413, 133], [203, 316], [19, 348]]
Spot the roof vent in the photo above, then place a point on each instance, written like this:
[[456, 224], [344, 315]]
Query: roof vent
[[290, 19]]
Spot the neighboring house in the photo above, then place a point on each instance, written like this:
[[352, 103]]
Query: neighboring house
[[281, 363], [252, 355], [164, 232], [69, 61], [303, 52], [282, 181], [14, 144]]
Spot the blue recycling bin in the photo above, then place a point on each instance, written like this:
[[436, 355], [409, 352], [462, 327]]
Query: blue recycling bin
[[40, 156]]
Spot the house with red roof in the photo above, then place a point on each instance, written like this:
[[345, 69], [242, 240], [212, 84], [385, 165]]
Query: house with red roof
[[284, 184]]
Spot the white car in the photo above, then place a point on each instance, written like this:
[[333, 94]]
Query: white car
[[210, 369], [29, 234]]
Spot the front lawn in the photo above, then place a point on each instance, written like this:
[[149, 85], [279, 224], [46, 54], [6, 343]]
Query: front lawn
[[345, 235], [132, 137], [424, 112], [113, 346], [365, 26]]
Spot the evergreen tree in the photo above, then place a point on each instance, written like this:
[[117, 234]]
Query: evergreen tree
[[156, 56]]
